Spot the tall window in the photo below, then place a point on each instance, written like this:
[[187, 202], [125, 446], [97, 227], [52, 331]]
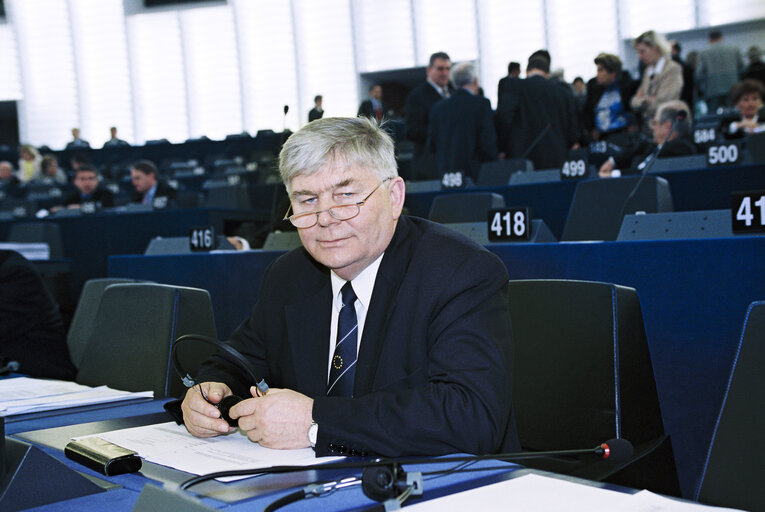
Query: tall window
[[384, 36], [159, 80], [445, 26], [637, 16], [103, 72], [10, 85]]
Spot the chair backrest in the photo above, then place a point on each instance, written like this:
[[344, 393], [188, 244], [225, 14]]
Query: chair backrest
[[423, 186], [85, 314], [598, 205], [133, 334], [229, 196], [180, 245], [498, 173], [46, 232], [583, 370], [479, 231], [734, 469], [281, 241], [676, 225], [679, 163], [541, 176], [464, 207]]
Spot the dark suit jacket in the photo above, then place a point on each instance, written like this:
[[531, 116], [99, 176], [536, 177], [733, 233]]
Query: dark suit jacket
[[461, 133], [101, 196], [163, 190], [366, 109], [629, 160], [434, 367], [418, 105], [524, 111], [31, 329], [314, 114]]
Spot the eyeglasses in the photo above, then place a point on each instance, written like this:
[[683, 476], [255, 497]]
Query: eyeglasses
[[338, 211]]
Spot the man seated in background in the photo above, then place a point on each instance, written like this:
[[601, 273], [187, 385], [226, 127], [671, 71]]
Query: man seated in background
[[149, 189], [634, 159], [32, 331], [461, 130], [10, 184], [114, 141], [50, 173], [382, 334], [89, 190], [607, 110]]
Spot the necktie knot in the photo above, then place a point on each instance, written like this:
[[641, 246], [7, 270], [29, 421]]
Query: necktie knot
[[349, 296]]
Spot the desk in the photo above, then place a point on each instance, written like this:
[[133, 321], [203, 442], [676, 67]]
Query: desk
[[694, 294], [89, 239], [269, 488]]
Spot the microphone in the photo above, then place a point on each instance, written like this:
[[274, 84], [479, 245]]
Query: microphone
[[9, 366], [615, 450], [679, 116], [286, 109]]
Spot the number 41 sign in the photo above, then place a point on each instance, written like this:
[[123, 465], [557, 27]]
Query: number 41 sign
[[748, 211], [509, 224]]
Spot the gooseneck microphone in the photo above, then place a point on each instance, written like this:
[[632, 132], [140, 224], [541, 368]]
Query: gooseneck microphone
[[615, 450], [651, 158]]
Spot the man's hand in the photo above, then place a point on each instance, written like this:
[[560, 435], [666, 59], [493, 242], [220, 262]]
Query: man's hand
[[280, 419], [201, 418], [606, 168]]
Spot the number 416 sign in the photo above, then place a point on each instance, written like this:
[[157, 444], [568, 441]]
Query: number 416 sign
[[509, 224], [748, 211]]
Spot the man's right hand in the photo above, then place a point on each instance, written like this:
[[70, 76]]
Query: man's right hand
[[201, 418]]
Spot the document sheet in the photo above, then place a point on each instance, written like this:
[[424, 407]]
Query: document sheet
[[171, 445], [24, 395]]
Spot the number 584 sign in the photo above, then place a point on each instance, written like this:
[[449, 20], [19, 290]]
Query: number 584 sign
[[509, 224]]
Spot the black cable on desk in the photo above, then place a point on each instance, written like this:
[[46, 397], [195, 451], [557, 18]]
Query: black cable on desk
[[285, 500]]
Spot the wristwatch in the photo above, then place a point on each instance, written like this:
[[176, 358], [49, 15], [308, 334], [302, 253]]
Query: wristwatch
[[313, 433]]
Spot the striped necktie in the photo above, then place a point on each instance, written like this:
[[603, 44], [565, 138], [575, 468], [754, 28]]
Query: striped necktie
[[343, 367]]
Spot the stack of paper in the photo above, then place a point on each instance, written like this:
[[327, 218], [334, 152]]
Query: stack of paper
[[24, 395]]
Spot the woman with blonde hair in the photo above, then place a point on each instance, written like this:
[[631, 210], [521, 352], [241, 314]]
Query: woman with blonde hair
[[29, 162], [662, 80]]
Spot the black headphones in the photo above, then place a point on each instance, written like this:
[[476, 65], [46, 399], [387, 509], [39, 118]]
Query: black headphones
[[230, 354]]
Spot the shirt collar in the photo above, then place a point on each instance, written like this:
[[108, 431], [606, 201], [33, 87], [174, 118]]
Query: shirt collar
[[657, 68], [438, 88], [363, 284]]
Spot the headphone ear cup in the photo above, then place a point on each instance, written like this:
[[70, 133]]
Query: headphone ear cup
[[225, 405], [381, 483]]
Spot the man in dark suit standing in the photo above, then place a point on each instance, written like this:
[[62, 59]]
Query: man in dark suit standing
[[461, 129], [149, 189], [534, 107], [418, 104], [373, 107], [513, 73], [383, 334], [317, 111]]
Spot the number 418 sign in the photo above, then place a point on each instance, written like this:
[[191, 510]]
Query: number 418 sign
[[509, 224]]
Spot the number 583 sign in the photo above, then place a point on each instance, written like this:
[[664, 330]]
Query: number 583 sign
[[509, 224]]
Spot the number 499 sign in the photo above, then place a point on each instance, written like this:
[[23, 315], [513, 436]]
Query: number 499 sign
[[509, 224]]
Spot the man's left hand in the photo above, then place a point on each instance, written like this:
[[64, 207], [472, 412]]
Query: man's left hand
[[280, 419]]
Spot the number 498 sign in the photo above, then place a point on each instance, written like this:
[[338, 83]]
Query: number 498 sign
[[509, 224]]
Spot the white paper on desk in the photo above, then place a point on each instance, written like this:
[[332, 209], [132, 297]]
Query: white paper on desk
[[536, 493], [23, 395], [168, 444]]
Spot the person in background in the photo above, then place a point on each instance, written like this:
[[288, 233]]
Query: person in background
[[634, 159], [747, 97], [29, 162], [513, 73], [114, 141], [316, 112], [719, 68], [373, 107], [77, 142], [50, 173], [756, 68], [606, 113], [461, 130], [662, 80], [89, 190], [149, 189], [689, 83], [32, 328], [10, 184], [419, 102], [580, 92]]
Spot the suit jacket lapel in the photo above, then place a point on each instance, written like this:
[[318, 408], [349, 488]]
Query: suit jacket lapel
[[308, 324], [382, 304]]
